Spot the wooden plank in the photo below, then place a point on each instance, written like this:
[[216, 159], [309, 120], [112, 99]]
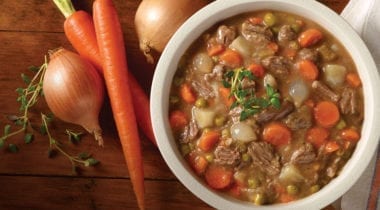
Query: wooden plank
[[40, 193]]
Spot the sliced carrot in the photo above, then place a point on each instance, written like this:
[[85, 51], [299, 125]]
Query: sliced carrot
[[231, 58], [218, 177], [326, 113], [308, 69], [235, 190], [215, 49], [353, 80], [208, 140], [286, 198], [310, 37], [331, 146], [317, 136], [257, 70], [178, 119], [198, 163], [187, 94], [111, 47], [277, 134], [225, 94], [255, 20], [350, 134], [273, 46]]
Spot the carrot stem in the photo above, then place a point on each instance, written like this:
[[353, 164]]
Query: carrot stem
[[112, 49], [65, 6]]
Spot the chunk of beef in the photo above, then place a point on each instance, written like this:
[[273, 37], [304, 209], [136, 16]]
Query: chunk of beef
[[332, 169], [216, 74], [324, 91], [304, 154], [264, 157], [272, 113], [203, 89], [286, 33], [279, 66], [225, 155], [299, 119], [235, 114], [225, 35], [190, 132], [308, 54], [256, 33], [348, 103]]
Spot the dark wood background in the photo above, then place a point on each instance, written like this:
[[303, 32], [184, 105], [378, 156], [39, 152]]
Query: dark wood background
[[31, 180]]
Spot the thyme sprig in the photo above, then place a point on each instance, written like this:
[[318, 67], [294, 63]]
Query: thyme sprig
[[247, 98], [28, 97]]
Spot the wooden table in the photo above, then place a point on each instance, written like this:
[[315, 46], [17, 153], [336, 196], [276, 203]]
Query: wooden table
[[31, 180]]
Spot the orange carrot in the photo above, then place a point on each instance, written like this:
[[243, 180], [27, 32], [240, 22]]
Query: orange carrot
[[257, 70], [178, 119], [111, 47], [225, 95], [310, 37], [290, 53], [231, 58], [277, 134], [285, 198], [317, 136], [208, 140], [79, 30], [218, 177], [326, 113], [187, 94], [273, 46], [256, 20], [215, 49], [353, 80], [332, 146], [308, 69], [350, 134], [198, 163]]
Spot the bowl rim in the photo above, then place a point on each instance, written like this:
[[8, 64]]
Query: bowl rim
[[222, 9]]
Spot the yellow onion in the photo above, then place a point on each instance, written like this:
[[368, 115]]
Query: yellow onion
[[74, 91], [157, 20]]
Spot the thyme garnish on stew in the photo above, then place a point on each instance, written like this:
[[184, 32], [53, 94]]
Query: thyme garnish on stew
[[247, 98]]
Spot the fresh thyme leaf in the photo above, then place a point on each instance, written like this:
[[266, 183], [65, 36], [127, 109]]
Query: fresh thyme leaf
[[28, 138], [13, 148], [34, 69], [91, 162], [7, 129], [25, 78]]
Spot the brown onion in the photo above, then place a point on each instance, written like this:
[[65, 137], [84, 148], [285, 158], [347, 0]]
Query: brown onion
[[157, 20], [74, 91]]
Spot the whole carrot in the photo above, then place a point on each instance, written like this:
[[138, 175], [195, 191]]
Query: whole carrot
[[79, 30], [111, 47]]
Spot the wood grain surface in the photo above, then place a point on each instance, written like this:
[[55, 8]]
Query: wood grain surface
[[31, 180]]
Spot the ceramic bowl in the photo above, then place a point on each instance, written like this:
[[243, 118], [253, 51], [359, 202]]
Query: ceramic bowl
[[220, 10]]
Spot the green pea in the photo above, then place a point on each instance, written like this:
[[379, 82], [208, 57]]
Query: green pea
[[341, 124], [270, 19], [174, 99], [292, 189], [253, 182], [226, 133], [259, 199], [245, 157], [314, 188], [209, 157], [219, 120], [200, 103], [178, 81], [294, 45], [296, 27], [185, 149]]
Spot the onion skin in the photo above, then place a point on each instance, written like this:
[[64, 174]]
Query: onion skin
[[157, 20], [74, 91]]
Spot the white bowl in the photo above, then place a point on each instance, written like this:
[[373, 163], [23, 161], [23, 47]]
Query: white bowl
[[222, 9]]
